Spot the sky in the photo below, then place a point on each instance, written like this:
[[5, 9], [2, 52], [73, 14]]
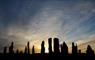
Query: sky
[[37, 20]]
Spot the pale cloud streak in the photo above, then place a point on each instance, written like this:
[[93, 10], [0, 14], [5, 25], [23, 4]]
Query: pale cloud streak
[[36, 21]]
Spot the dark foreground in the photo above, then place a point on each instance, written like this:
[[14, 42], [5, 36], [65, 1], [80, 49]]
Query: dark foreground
[[46, 57]]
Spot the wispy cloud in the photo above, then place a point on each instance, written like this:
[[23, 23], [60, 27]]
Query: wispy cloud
[[35, 21]]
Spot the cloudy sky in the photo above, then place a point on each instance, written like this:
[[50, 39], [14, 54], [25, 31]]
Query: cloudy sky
[[37, 20]]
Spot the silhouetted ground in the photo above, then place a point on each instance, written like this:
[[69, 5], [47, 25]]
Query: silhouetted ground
[[46, 57]]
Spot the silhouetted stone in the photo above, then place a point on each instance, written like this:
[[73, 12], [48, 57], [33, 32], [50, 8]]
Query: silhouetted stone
[[25, 51], [5, 50], [64, 49], [74, 49], [11, 51], [21, 52], [89, 50], [28, 48], [79, 51], [33, 50], [56, 45], [61, 48], [42, 48], [50, 45], [17, 51]]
